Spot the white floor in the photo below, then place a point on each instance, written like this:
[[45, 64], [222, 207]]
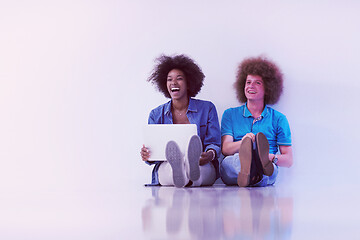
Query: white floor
[[295, 208]]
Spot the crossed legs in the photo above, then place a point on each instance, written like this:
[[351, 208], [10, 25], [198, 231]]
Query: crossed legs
[[250, 166]]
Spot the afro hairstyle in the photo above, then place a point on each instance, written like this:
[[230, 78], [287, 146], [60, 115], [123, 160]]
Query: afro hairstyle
[[164, 64], [267, 70]]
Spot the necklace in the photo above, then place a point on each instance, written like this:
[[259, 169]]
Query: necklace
[[180, 112]]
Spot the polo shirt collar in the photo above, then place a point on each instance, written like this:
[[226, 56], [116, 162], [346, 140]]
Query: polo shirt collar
[[247, 113], [191, 108]]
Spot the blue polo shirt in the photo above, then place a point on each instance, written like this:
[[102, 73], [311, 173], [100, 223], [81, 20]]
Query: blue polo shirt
[[237, 122]]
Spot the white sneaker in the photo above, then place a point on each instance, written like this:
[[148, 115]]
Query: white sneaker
[[175, 159], [193, 153]]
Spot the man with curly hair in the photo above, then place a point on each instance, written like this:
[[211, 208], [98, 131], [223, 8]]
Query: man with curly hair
[[180, 79], [253, 133]]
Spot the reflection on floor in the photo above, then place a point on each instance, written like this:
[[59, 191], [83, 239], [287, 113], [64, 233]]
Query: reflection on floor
[[217, 213], [298, 206]]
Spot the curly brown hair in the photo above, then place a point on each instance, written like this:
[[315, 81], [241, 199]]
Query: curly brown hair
[[267, 70], [193, 73]]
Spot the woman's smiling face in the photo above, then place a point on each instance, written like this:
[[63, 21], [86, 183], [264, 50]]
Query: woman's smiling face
[[176, 84]]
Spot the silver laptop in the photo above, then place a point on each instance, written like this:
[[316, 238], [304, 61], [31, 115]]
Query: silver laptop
[[156, 136]]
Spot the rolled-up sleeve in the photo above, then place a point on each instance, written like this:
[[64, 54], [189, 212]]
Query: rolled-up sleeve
[[212, 138]]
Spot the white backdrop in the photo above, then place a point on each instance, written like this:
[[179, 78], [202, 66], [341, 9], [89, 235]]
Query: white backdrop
[[74, 96]]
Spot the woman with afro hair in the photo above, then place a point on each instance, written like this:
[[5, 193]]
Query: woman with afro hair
[[180, 79], [256, 139]]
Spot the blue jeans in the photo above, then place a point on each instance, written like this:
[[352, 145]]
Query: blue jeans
[[230, 168]]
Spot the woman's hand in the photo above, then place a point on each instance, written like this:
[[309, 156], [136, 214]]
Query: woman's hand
[[206, 157], [145, 153]]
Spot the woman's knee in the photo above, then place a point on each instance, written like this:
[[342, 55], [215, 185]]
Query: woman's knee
[[207, 175], [165, 174]]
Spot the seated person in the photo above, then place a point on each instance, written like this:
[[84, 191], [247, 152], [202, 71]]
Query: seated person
[[180, 79], [253, 133]]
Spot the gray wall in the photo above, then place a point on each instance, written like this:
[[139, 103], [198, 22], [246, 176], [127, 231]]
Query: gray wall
[[74, 96]]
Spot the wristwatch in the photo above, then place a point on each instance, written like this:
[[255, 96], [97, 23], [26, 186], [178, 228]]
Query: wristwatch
[[275, 159]]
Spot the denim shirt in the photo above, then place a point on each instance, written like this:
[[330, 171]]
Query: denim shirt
[[200, 112]]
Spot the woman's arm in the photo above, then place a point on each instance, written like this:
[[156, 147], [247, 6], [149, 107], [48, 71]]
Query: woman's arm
[[212, 139], [285, 159]]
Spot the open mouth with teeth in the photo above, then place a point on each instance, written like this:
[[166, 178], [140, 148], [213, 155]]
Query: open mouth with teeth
[[251, 92], [175, 89]]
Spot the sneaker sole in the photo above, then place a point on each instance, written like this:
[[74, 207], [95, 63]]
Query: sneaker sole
[[193, 155], [245, 155], [174, 157], [263, 149]]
